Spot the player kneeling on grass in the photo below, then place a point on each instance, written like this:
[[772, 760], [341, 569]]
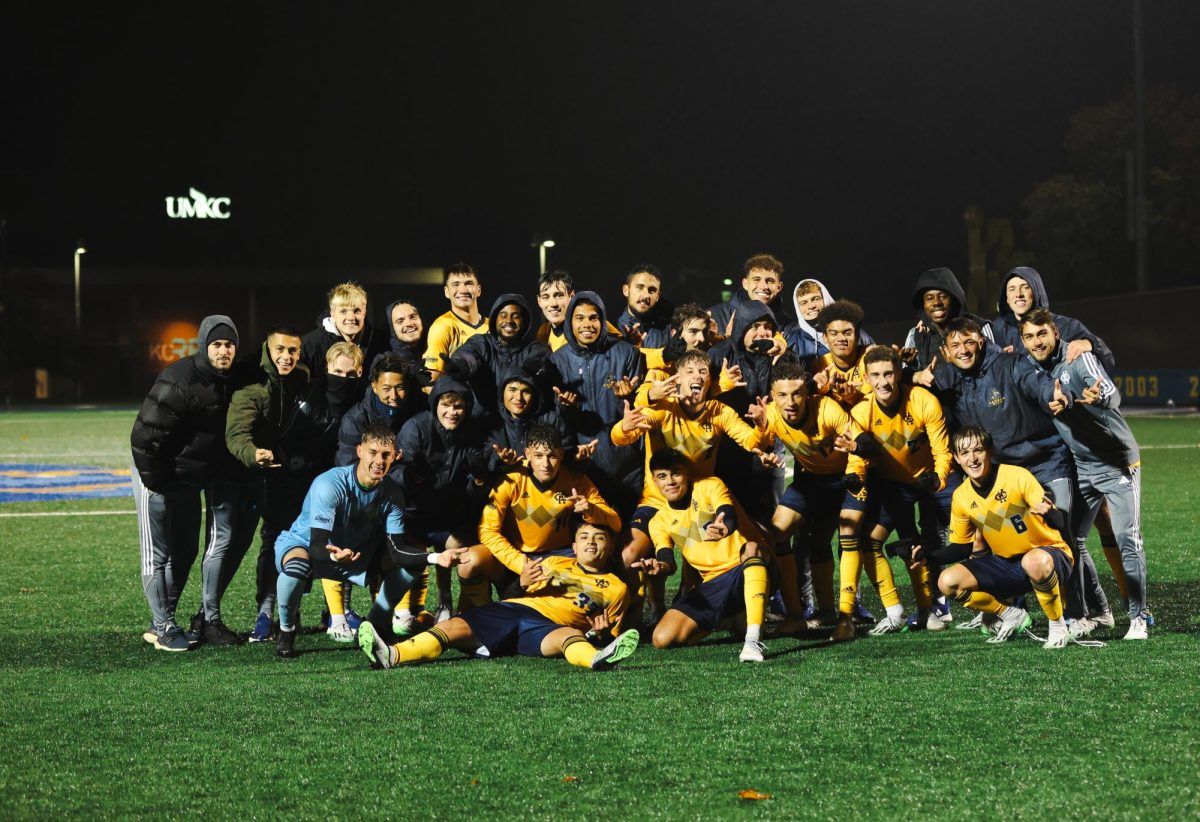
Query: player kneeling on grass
[[568, 601], [701, 521], [1007, 507], [348, 514]]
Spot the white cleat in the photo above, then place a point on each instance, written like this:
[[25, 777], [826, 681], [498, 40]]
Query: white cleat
[[752, 651], [341, 633], [1104, 620], [1080, 628], [1013, 621], [1138, 629], [404, 624], [936, 622], [974, 624], [887, 625], [1058, 636], [443, 614]]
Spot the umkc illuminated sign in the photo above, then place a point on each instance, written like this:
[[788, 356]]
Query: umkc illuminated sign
[[199, 206]]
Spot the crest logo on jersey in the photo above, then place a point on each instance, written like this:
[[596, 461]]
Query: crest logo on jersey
[[996, 398], [1001, 496]]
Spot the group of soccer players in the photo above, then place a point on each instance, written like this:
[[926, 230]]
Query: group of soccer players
[[564, 464]]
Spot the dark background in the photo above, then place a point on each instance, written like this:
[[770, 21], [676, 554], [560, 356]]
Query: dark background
[[844, 137]]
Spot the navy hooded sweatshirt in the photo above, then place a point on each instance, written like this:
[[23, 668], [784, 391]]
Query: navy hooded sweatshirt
[[485, 358], [785, 323], [928, 341]]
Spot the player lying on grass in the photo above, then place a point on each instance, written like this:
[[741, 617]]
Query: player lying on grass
[[351, 527], [567, 601], [528, 517], [1019, 526], [701, 521]]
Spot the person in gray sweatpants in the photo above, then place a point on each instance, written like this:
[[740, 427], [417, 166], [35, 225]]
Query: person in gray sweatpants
[[1107, 458], [178, 444]]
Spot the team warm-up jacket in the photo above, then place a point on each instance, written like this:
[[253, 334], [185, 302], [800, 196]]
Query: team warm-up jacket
[[179, 434], [926, 339], [508, 430], [485, 358], [1006, 328], [654, 325]]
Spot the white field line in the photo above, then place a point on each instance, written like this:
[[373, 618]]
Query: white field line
[[65, 455], [66, 514]]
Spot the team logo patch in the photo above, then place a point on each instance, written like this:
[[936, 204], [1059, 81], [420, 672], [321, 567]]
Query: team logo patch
[[996, 398], [1001, 496]]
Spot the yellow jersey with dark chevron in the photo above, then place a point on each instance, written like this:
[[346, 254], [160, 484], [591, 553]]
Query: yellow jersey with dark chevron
[[682, 529], [811, 440], [912, 439], [446, 334], [1003, 517], [523, 517], [570, 593], [696, 436], [855, 374]]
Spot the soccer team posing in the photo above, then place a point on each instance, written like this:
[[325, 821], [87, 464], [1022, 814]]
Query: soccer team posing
[[564, 468]]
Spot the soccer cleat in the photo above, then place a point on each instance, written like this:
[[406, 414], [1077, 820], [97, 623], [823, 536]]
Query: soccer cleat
[[1013, 621], [341, 632], [752, 651], [173, 640], [195, 631], [844, 631], [353, 619], [263, 628], [217, 633], [1104, 620], [1138, 629], [887, 625], [444, 612], [936, 622], [285, 644], [326, 617], [861, 615], [941, 609], [371, 644], [620, 648], [403, 625], [1079, 628], [973, 624], [1058, 636]]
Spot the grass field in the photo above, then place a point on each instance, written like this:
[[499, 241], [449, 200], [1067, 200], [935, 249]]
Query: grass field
[[95, 722]]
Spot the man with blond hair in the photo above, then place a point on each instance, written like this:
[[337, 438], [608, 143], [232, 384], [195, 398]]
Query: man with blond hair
[[344, 321]]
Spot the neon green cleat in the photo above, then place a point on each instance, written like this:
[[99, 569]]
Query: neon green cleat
[[373, 646], [620, 648]]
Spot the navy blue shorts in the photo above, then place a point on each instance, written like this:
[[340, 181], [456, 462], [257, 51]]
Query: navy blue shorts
[[1004, 578], [641, 518], [711, 602], [507, 628], [896, 502], [812, 495]]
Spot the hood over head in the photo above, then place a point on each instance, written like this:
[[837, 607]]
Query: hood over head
[[586, 297], [521, 375], [530, 330], [445, 385], [395, 342], [218, 327], [940, 279], [747, 315], [804, 324], [1029, 275]]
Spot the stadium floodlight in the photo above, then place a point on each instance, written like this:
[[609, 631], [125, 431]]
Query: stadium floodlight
[[541, 242], [79, 252]]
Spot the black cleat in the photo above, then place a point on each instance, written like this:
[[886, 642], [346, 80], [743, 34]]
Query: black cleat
[[195, 632], [285, 645], [218, 633]]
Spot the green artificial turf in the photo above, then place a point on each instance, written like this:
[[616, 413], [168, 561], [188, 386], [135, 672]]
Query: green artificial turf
[[95, 722]]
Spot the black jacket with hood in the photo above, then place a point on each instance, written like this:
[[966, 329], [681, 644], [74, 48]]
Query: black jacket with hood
[[316, 343], [179, 433], [756, 368], [927, 340], [589, 372], [411, 353], [439, 466], [484, 359], [508, 431], [1006, 331], [785, 323]]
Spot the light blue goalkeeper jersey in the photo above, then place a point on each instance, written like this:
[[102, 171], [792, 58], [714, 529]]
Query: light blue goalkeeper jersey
[[358, 518]]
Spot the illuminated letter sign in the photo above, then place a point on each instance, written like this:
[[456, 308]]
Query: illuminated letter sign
[[199, 206]]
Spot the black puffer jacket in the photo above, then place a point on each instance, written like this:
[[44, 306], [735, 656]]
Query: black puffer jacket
[[484, 359], [179, 434]]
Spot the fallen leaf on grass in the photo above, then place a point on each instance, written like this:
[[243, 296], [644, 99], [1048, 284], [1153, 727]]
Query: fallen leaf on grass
[[753, 795], [570, 779]]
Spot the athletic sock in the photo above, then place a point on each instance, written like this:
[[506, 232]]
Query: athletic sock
[[578, 651], [879, 571], [789, 587], [754, 591], [475, 592], [289, 587], [979, 601], [334, 600], [922, 591], [414, 598], [1050, 596], [421, 648], [822, 582], [851, 567]]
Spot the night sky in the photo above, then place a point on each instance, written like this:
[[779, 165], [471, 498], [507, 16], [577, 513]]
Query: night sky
[[845, 137]]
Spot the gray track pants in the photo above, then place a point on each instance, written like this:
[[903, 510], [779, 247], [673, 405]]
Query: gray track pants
[[1122, 488], [1083, 593], [169, 536]]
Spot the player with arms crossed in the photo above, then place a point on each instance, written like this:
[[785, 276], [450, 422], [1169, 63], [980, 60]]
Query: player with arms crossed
[[350, 515], [567, 601], [700, 520], [1005, 505]]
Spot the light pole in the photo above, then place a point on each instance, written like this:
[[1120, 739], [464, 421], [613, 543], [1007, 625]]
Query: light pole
[[79, 252], [542, 242]]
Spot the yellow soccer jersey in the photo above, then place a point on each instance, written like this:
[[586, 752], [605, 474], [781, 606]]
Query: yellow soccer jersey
[[523, 518], [696, 436], [446, 334], [571, 592], [811, 442], [683, 529], [1003, 517], [913, 440], [856, 374]]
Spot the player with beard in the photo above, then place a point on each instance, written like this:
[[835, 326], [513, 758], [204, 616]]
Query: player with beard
[[646, 320]]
